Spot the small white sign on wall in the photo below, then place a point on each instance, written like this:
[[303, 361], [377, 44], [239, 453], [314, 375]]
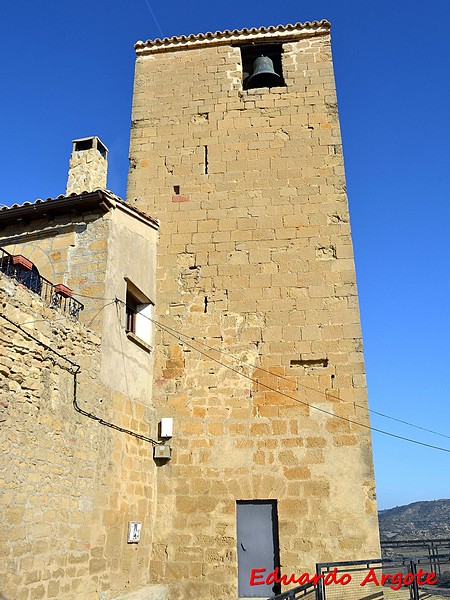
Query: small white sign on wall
[[134, 532]]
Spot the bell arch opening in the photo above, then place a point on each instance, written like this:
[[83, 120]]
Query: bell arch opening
[[262, 66]]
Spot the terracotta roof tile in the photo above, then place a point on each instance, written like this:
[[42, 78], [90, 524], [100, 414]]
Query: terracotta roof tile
[[322, 26], [101, 192]]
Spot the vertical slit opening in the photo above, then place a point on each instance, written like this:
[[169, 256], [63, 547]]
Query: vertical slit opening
[[176, 189], [205, 309], [206, 160]]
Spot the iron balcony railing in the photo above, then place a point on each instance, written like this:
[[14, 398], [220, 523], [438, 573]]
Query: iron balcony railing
[[23, 271]]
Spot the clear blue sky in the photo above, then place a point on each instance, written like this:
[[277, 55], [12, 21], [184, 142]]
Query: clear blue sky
[[68, 72]]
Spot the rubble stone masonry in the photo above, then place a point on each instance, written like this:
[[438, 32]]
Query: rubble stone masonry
[[255, 268], [88, 167], [67, 251], [68, 485], [95, 253]]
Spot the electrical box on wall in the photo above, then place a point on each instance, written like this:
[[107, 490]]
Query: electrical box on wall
[[162, 451], [166, 427]]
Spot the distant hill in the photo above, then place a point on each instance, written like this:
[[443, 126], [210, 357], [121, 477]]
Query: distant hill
[[429, 519]]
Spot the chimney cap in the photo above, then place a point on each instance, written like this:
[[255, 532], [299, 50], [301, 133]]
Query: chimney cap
[[87, 143]]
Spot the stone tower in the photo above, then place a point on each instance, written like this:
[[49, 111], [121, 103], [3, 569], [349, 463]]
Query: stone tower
[[88, 166], [258, 353]]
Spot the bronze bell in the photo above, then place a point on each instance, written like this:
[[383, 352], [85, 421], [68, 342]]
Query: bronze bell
[[263, 75]]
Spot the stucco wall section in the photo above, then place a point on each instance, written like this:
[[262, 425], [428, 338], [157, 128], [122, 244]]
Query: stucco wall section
[[127, 366]]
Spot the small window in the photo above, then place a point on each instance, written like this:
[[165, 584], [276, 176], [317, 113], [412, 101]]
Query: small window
[[138, 315], [131, 309], [262, 66]]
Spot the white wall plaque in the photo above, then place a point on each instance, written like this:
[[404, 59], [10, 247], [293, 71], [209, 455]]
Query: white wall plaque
[[134, 532]]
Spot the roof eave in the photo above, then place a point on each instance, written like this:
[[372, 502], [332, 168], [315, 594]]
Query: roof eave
[[280, 32], [55, 206], [79, 203]]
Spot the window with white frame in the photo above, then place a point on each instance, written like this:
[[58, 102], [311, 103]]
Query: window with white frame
[[138, 315]]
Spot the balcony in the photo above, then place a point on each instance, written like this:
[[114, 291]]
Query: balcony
[[24, 272]]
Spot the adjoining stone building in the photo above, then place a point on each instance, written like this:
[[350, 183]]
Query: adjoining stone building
[[235, 314], [258, 357], [101, 247], [70, 484]]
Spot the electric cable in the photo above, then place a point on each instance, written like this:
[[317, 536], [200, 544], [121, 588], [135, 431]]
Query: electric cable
[[91, 297], [99, 311], [43, 321], [327, 394], [63, 318], [80, 410], [322, 410], [74, 370]]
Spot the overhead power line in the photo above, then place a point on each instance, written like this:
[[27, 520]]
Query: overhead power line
[[180, 337], [327, 394], [317, 408], [74, 369]]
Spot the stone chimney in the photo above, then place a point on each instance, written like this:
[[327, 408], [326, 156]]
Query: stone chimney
[[88, 166]]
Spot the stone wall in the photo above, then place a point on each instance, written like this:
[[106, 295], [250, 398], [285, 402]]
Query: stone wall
[[88, 166], [95, 253], [255, 261], [69, 485], [67, 249]]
